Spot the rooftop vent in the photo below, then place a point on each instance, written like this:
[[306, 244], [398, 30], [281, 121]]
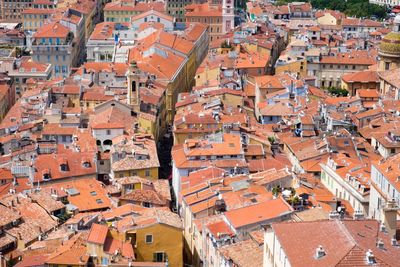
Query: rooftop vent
[[320, 252], [358, 215], [370, 257], [380, 244], [394, 241], [334, 215]]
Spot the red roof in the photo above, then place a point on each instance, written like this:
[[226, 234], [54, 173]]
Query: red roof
[[52, 30], [258, 213], [98, 234]]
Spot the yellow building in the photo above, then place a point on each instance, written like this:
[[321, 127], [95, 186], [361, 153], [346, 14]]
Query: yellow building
[[389, 49], [157, 236], [89, 11], [33, 19], [150, 173], [327, 19], [199, 125], [123, 11], [291, 64], [91, 98], [174, 65], [135, 157], [367, 79], [4, 100], [259, 48], [207, 73]]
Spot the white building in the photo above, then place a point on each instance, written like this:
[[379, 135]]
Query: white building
[[385, 2], [106, 38], [153, 16], [348, 183], [385, 186]]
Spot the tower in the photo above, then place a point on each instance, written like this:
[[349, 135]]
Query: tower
[[228, 16], [133, 85], [389, 49]]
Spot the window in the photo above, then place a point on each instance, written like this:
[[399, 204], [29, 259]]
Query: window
[[147, 173], [101, 162], [108, 132], [64, 167], [387, 65], [99, 201], [93, 193], [159, 257], [149, 239], [146, 205]]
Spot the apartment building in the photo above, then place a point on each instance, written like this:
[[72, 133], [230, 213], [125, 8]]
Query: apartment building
[[328, 243], [12, 10], [55, 43], [385, 191], [329, 69], [219, 18], [34, 18], [122, 11], [24, 69], [350, 183]]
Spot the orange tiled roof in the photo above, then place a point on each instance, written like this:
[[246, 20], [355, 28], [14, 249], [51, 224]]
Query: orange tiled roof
[[98, 234], [258, 213], [52, 30]]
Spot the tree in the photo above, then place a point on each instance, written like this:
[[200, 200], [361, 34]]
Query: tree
[[335, 91], [276, 190], [271, 139], [357, 8]]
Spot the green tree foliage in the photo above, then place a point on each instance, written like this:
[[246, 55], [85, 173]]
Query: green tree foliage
[[226, 45], [337, 91], [358, 8]]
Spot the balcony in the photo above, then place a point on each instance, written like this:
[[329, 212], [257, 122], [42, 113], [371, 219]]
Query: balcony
[[45, 48]]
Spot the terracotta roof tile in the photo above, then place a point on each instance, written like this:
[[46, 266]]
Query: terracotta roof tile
[[98, 234]]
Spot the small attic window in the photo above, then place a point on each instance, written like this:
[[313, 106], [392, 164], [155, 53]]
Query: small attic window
[[99, 201], [64, 167], [94, 193], [86, 163]]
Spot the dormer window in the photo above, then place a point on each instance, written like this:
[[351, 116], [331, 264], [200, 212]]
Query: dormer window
[[46, 174], [63, 164], [64, 167], [86, 163]]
